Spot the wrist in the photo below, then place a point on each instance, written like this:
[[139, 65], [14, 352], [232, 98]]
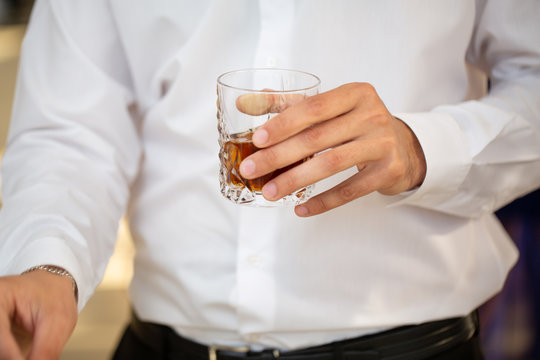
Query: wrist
[[417, 159], [59, 271]]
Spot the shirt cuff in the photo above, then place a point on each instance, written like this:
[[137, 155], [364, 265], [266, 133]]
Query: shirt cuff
[[51, 251], [448, 159]]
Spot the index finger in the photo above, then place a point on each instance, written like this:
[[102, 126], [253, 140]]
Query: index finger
[[312, 110]]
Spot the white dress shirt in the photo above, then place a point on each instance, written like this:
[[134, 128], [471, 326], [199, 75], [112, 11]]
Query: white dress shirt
[[115, 114]]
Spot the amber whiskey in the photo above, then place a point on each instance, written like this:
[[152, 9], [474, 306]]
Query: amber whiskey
[[239, 147]]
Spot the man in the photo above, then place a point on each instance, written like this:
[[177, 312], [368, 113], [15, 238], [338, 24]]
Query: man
[[115, 113]]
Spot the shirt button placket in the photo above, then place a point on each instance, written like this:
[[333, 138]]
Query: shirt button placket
[[255, 281]]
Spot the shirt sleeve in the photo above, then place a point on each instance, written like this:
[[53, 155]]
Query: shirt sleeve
[[485, 153], [73, 146]]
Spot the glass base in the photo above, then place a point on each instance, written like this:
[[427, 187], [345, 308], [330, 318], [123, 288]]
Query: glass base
[[242, 196]]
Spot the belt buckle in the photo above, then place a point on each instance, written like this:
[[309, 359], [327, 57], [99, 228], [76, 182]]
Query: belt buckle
[[213, 351]]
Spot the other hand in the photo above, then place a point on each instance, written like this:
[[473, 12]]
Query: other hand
[[38, 313]]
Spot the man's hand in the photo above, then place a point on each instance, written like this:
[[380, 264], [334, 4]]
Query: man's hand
[[348, 126], [38, 313]]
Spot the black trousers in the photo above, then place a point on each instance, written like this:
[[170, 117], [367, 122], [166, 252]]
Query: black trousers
[[133, 347]]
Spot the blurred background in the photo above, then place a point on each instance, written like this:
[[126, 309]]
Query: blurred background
[[509, 322]]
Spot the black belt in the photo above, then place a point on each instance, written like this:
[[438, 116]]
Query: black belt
[[412, 342]]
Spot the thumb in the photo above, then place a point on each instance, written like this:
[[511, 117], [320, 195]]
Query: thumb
[[267, 101]]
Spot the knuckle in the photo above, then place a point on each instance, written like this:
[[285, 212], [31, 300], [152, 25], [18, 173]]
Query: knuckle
[[354, 90], [320, 204], [368, 88], [315, 106], [396, 171], [347, 193], [388, 145], [333, 160], [364, 93], [270, 156], [312, 136], [361, 88], [282, 124], [290, 181], [379, 118]]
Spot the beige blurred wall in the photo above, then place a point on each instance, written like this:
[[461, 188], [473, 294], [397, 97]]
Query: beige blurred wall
[[10, 42]]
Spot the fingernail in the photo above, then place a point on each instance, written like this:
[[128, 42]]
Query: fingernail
[[269, 190], [247, 167], [260, 137], [301, 210]]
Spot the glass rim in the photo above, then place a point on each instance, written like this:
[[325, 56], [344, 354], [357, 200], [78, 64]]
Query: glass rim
[[222, 83]]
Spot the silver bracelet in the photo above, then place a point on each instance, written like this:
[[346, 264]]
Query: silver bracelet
[[57, 271]]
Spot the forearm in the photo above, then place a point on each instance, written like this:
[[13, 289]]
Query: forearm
[[73, 151]]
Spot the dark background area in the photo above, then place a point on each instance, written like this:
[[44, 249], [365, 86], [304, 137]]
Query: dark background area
[[15, 11]]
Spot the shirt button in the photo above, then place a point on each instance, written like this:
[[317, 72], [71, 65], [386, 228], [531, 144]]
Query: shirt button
[[271, 61]]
